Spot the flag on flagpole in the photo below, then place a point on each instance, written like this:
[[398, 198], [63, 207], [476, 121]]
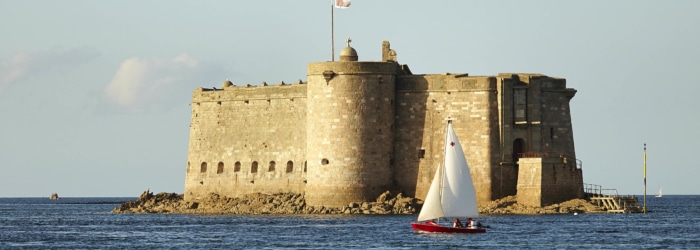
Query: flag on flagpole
[[342, 4]]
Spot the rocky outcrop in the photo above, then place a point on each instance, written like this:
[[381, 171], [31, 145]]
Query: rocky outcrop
[[283, 203], [508, 205], [290, 203]]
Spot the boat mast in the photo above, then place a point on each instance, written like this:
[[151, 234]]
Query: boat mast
[[444, 163]]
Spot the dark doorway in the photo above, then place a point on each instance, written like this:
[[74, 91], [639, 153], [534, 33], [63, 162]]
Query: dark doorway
[[518, 150]]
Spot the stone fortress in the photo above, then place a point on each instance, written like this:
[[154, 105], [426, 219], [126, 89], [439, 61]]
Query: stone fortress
[[355, 129]]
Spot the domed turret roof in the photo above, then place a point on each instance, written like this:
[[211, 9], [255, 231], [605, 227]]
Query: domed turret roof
[[226, 83], [348, 54]]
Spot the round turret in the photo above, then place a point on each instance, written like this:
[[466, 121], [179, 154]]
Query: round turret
[[349, 141]]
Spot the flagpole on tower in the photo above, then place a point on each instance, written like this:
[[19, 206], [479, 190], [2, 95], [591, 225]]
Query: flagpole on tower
[[341, 4]]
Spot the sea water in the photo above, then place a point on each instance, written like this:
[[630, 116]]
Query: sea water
[[672, 222]]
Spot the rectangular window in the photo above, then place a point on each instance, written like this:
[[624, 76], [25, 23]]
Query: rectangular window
[[520, 105]]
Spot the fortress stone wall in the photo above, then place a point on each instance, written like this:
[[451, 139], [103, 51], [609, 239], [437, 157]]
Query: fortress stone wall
[[246, 139], [358, 128]]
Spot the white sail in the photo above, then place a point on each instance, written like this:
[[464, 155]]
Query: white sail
[[661, 194], [432, 207], [458, 195], [452, 192]]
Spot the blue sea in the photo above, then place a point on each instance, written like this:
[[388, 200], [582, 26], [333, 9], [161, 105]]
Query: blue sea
[[79, 223]]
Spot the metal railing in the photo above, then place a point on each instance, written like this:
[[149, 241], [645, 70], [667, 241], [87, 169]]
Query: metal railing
[[610, 200], [593, 190]]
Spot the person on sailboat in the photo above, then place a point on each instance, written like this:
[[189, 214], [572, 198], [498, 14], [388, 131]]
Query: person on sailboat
[[470, 222], [457, 223]]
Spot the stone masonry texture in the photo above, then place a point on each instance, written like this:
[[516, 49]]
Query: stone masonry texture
[[355, 129]]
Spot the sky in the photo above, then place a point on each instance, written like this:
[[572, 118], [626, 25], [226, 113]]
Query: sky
[[94, 95]]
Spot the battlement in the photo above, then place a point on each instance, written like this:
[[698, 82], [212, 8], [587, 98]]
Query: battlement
[[546, 82], [250, 92]]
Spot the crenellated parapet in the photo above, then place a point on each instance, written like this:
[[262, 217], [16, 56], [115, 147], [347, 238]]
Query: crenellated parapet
[[231, 92]]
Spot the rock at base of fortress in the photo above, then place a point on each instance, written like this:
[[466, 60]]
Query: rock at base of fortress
[[290, 203]]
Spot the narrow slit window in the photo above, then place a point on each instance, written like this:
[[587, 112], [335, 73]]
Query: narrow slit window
[[254, 167], [290, 167], [203, 167]]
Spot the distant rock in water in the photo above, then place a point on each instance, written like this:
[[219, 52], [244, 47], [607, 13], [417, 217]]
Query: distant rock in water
[[290, 203], [282, 203], [54, 196]]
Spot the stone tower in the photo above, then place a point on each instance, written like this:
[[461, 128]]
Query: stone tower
[[349, 130]]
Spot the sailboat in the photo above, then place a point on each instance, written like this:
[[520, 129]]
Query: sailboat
[[451, 194], [660, 193]]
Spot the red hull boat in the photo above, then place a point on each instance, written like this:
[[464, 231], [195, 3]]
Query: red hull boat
[[431, 227]]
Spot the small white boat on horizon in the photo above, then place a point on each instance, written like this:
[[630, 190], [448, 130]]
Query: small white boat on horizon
[[661, 194]]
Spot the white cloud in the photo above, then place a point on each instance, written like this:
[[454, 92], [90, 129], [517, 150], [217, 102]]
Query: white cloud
[[24, 65], [142, 84], [124, 87]]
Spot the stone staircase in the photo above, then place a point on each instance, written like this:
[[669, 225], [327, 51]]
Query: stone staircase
[[610, 201]]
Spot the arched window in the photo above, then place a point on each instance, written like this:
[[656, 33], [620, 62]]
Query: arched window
[[220, 168], [290, 166], [254, 167], [324, 161], [203, 168], [271, 168], [518, 149], [237, 167]]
